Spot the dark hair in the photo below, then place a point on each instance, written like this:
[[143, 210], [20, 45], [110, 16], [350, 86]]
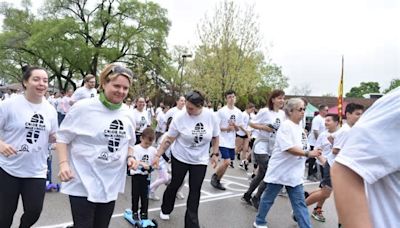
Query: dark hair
[[229, 92], [250, 105], [351, 107], [322, 106], [335, 117], [274, 94], [168, 123], [196, 98], [27, 73], [148, 133]]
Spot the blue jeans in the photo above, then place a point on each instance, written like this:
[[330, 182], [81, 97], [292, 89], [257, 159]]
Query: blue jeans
[[296, 196]]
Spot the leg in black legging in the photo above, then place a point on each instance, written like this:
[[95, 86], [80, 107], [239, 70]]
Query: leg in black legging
[[32, 192], [9, 194], [196, 177]]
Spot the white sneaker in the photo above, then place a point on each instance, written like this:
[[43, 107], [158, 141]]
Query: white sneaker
[[153, 196], [164, 216], [180, 195], [259, 226]]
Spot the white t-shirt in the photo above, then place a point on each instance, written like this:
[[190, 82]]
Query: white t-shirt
[[97, 149], [245, 119], [173, 112], [150, 113], [372, 151], [83, 93], [145, 155], [283, 167], [65, 105], [26, 127], [193, 136], [266, 117], [326, 146], [158, 110], [141, 120], [226, 116], [161, 122], [318, 124]]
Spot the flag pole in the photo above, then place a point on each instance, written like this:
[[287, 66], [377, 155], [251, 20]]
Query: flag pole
[[340, 94]]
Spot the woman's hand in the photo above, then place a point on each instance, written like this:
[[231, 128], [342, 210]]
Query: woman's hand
[[214, 161], [315, 153], [65, 173], [156, 162], [7, 149]]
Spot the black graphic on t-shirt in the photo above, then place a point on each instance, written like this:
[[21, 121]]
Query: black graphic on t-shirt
[[275, 126], [145, 158], [35, 126], [232, 119], [198, 133], [91, 95], [304, 140], [142, 122], [114, 135]]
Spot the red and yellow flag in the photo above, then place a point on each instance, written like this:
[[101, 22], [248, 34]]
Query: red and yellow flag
[[340, 95]]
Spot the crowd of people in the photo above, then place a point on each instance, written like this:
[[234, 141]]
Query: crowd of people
[[103, 134]]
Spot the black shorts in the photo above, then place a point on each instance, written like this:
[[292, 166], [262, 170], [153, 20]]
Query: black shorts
[[326, 178], [241, 136]]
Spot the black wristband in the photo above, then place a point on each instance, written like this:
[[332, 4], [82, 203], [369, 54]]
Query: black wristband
[[212, 154]]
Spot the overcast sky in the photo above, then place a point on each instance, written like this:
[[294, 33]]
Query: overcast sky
[[307, 38]]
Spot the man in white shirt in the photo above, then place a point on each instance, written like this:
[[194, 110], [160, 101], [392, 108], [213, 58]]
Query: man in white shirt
[[180, 105], [366, 173], [86, 91], [65, 105], [317, 127], [230, 121]]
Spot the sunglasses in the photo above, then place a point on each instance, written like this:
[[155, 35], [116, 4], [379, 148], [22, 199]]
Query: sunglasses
[[117, 69], [301, 109]]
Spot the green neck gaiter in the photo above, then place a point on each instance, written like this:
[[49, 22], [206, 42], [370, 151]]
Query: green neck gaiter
[[108, 104]]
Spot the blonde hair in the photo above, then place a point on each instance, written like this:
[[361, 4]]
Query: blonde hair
[[109, 73]]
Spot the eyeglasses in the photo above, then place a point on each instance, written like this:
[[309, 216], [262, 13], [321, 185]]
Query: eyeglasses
[[117, 69], [301, 109]]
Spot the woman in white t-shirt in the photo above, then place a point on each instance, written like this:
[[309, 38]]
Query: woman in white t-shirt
[[190, 134], [266, 123], [286, 166], [27, 125], [93, 144], [141, 118]]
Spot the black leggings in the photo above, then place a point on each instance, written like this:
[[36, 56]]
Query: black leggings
[[87, 214], [32, 191], [140, 189], [196, 177]]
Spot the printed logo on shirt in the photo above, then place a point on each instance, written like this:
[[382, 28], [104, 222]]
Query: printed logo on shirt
[[198, 134], [145, 159], [114, 135], [34, 127], [304, 140], [232, 119], [142, 122], [24, 148], [275, 126], [91, 95]]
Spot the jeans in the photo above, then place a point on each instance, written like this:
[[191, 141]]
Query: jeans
[[296, 196], [196, 177]]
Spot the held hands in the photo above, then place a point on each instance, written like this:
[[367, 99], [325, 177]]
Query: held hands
[[7, 149], [132, 163], [65, 173], [315, 153], [156, 162]]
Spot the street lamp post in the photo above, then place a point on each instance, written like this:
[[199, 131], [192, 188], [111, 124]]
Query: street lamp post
[[183, 64]]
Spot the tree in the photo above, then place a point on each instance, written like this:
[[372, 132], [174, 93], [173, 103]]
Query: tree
[[364, 88], [72, 38], [393, 85], [229, 55], [303, 90]]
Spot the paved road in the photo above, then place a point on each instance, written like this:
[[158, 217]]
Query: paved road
[[222, 209]]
